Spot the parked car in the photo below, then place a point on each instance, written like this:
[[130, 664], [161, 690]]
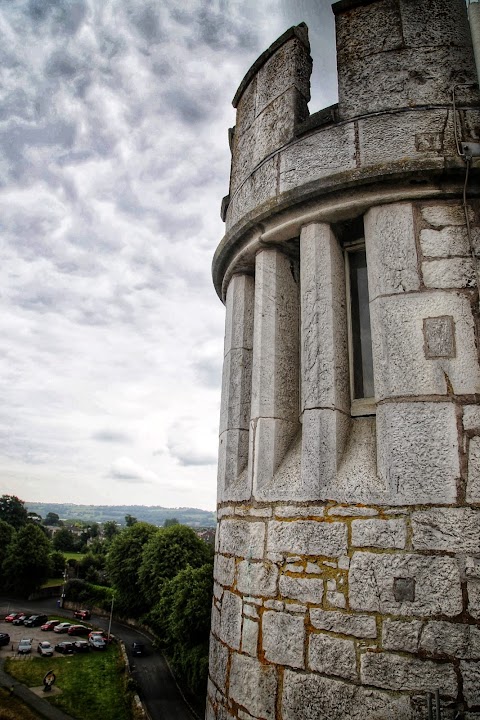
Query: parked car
[[101, 633], [82, 614], [13, 616], [4, 639], [35, 620], [138, 648], [78, 630], [66, 648], [24, 646], [81, 646], [97, 642], [45, 649], [49, 625], [62, 627], [20, 619]]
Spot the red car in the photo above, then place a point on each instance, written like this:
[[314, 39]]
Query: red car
[[78, 630], [49, 625], [82, 614], [13, 616]]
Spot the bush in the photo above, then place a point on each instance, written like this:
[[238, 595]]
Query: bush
[[89, 594]]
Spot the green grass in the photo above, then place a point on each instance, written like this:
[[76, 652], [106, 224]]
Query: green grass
[[12, 708], [53, 582], [73, 555], [93, 685]]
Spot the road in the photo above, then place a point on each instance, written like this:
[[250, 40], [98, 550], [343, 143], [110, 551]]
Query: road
[[156, 685]]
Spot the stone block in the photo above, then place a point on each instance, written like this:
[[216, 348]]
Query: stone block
[[352, 511], [388, 138], [324, 437], [379, 533], [473, 591], [239, 313], [387, 81], [257, 189], [418, 452], [471, 417], [400, 363], [307, 590], [250, 637], [439, 216], [311, 696], [324, 356], [471, 681], [361, 626], [452, 240], [283, 638], [290, 66], [400, 635], [447, 529], [246, 109], [332, 656], [335, 598], [397, 672], [473, 481], [307, 537], [250, 611], [231, 620], [218, 663], [253, 686], [437, 584], [224, 570], [242, 538], [274, 127], [294, 511], [447, 25], [454, 639], [449, 273], [233, 482], [236, 390], [313, 157], [391, 251], [257, 578], [375, 28], [269, 441]]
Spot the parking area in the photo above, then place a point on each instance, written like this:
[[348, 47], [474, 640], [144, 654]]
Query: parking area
[[19, 632]]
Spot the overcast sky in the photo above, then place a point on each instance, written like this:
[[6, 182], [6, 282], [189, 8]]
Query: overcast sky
[[114, 159]]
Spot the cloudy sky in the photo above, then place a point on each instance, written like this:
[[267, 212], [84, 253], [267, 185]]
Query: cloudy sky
[[114, 159]]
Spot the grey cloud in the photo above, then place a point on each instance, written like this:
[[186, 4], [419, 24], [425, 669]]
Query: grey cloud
[[112, 436], [195, 457], [209, 372], [65, 16]]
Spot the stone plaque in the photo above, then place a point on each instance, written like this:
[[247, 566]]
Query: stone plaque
[[439, 335], [404, 589]]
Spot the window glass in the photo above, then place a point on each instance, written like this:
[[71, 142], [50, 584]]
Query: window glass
[[362, 363]]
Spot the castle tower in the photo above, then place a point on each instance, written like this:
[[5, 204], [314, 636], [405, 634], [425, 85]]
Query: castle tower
[[347, 573]]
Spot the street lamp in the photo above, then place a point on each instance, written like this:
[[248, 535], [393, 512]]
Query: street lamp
[[110, 620]]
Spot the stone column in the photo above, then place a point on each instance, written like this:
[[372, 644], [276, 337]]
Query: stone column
[[236, 391], [325, 401], [275, 382]]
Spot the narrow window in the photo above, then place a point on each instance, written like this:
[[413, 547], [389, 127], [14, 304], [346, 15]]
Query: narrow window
[[360, 338]]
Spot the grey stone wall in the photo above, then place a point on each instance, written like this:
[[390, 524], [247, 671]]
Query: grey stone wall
[[347, 571]]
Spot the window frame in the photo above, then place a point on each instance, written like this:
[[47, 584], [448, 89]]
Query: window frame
[[358, 406]]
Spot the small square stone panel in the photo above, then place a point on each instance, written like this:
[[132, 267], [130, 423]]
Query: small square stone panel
[[439, 335], [404, 589]]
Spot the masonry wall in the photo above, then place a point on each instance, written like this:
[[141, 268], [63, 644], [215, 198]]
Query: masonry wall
[[347, 571]]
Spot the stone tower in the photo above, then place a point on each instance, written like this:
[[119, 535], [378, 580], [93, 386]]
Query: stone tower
[[347, 574]]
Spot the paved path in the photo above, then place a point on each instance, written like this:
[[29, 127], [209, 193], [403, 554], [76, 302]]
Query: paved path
[[38, 704]]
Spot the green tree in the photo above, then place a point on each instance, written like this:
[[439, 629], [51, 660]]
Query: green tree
[[7, 533], [27, 563], [57, 560], [13, 511], [64, 539], [123, 561], [168, 522], [182, 619], [110, 529], [52, 518], [167, 552], [130, 520]]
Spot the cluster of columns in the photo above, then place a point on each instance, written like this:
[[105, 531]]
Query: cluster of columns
[[285, 366]]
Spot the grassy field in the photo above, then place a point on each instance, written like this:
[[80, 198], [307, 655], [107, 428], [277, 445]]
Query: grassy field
[[53, 582], [12, 708], [73, 555], [92, 685]]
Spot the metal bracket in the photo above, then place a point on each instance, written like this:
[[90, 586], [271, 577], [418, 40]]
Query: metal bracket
[[470, 149]]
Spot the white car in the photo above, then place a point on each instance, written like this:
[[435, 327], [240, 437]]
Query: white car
[[62, 627], [45, 649], [97, 642], [24, 646]]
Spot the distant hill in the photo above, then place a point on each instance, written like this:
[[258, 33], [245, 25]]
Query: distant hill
[[154, 514]]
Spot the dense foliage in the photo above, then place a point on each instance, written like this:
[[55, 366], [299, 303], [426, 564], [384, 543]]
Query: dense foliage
[[27, 562], [13, 511]]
